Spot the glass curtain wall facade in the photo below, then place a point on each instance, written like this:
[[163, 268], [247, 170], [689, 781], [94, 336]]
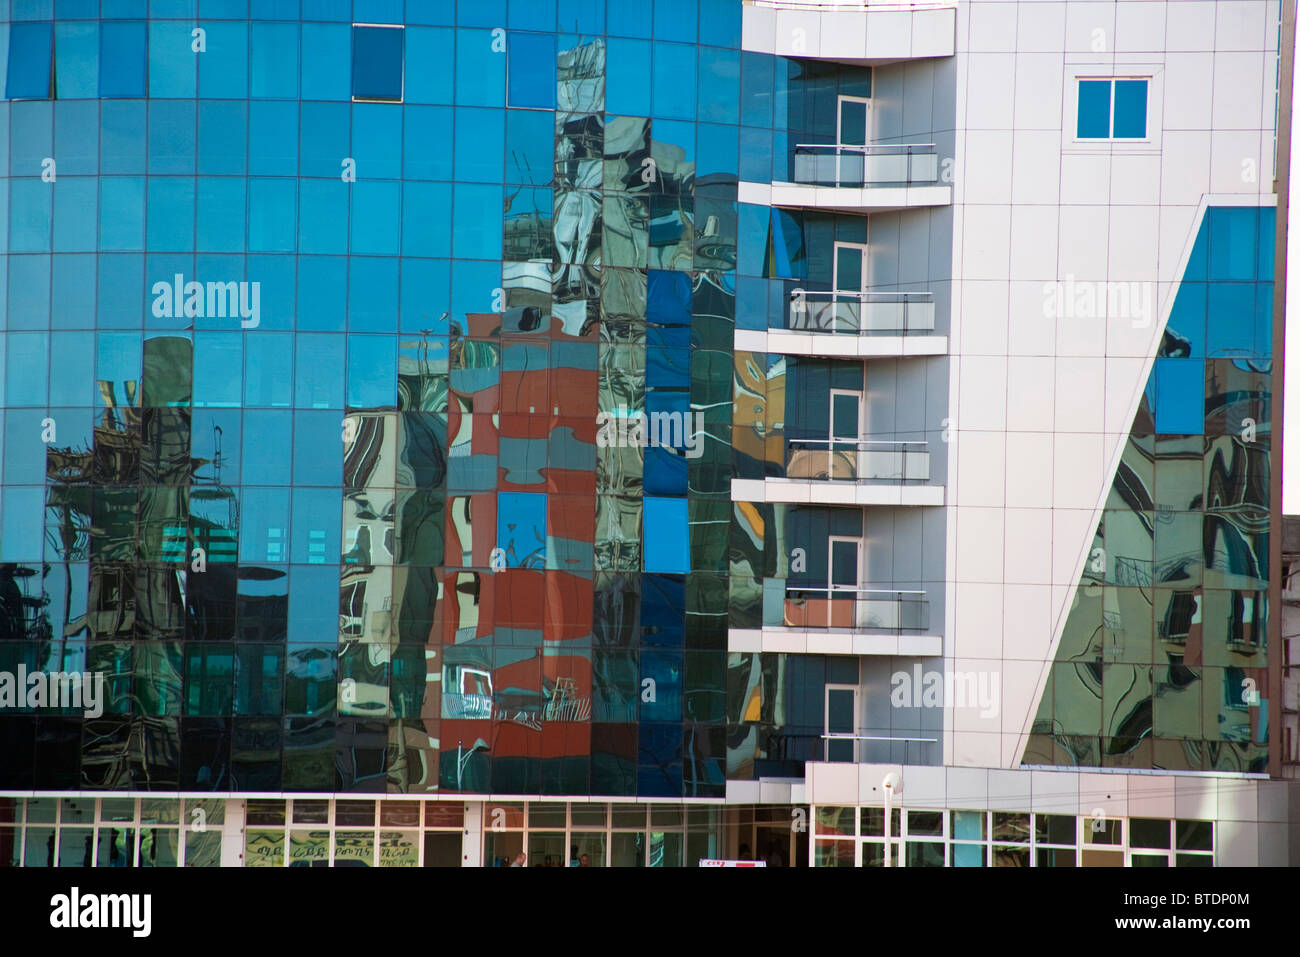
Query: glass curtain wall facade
[[368, 382]]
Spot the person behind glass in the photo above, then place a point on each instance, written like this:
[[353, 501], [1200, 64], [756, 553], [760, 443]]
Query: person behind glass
[[573, 856], [584, 861], [519, 860], [744, 853]]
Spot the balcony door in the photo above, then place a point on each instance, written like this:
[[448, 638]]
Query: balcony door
[[850, 281], [853, 126], [845, 434], [841, 723], [844, 571]]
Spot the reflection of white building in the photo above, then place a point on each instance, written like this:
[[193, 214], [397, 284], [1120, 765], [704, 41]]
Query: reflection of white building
[[467, 692]]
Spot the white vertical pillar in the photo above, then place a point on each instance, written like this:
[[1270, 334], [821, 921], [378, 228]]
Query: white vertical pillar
[[232, 834], [471, 849]]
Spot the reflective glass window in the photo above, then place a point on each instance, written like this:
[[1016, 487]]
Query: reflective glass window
[[31, 47], [77, 63], [428, 77], [325, 61], [532, 70], [122, 58], [223, 66]]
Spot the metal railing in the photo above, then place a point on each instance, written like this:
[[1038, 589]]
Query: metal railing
[[852, 6], [856, 608], [860, 313], [842, 164], [857, 460], [844, 748]]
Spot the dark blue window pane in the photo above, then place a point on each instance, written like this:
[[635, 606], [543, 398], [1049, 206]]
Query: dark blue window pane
[[1094, 109], [1130, 109], [627, 64], [1180, 396], [31, 46], [720, 23], [532, 70], [1231, 312], [719, 85], [122, 59], [717, 150], [1234, 236], [675, 20], [674, 80], [77, 65], [629, 19], [377, 63]]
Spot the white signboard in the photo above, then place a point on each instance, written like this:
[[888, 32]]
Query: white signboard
[[709, 862]]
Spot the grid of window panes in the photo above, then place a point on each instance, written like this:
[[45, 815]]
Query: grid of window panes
[[1163, 660], [110, 832], [308, 321], [957, 838]]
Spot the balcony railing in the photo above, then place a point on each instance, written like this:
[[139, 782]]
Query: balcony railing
[[851, 6], [840, 164], [861, 313], [856, 608], [848, 460]]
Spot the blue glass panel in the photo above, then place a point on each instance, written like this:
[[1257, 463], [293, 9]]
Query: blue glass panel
[[273, 138], [675, 20], [581, 16], [1185, 333], [324, 216], [756, 89], [72, 371], [29, 215], [267, 434], [521, 528], [326, 63], [31, 47], [317, 517], [1231, 311], [372, 372], [1130, 109], [425, 295], [29, 292], [334, 10], [627, 64], [21, 538], [121, 213], [1234, 242], [425, 153], [629, 19], [264, 523], [171, 136], [377, 11], [1094, 109], [27, 364], [533, 15], [531, 61], [665, 533], [272, 226], [668, 426], [377, 63], [480, 13], [377, 140], [665, 667], [73, 303], [530, 147], [674, 81], [1179, 403], [273, 67], [117, 361], [426, 219], [325, 139], [429, 73], [756, 155], [372, 294], [719, 91], [437, 12], [223, 66], [172, 68], [718, 150], [223, 138], [479, 144], [122, 59], [77, 65], [318, 449], [1264, 319], [480, 68], [473, 287], [477, 219], [218, 360], [375, 211], [720, 23], [318, 379], [170, 208], [268, 370], [121, 288], [276, 275], [76, 137], [322, 293]]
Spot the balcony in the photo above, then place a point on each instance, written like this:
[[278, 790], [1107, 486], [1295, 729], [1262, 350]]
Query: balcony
[[841, 177], [866, 32], [844, 620], [850, 325], [847, 472]]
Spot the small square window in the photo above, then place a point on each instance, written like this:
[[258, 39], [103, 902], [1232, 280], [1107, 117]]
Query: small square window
[[1112, 109], [377, 63]]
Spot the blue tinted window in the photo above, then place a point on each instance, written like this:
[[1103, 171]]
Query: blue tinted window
[[372, 372], [427, 136], [377, 11], [675, 20], [326, 52], [756, 89], [171, 213], [322, 293], [719, 85], [223, 138], [717, 149], [122, 59], [266, 444], [372, 294], [271, 220], [480, 13], [1130, 109], [318, 381], [1094, 109], [264, 523], [23, 515], [72, 374], [374, 211], [273, 138], [315, 436], [171, 59], [316, 522], [477, 220], [1180, 396], [429, 76], [377, 63], [121, 213], [73, 304], [472, 287], [324, 138], [171, 136], [627, 66], [629, 19], [377, 140], [720, 23], [534, 15], [1234, 236], [223, 66], [29, 294], [121, 286], [479, 144], [268, 370], [323, 208], [426, 219], [581, 16], [77, 63], [480, 68], [1231, 310], [29, 215], [31, 47], [532, 70], [274, 66], [674, 80], [220, 215], [76, 137], [425, 294], [217, 357], [665, 535], [530, 147]]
